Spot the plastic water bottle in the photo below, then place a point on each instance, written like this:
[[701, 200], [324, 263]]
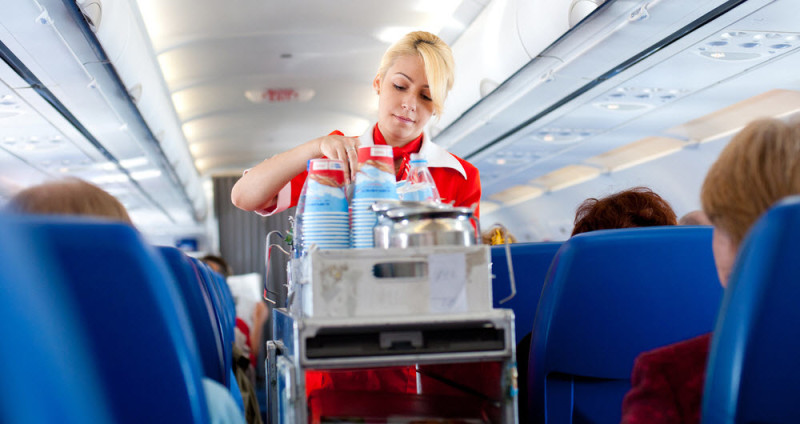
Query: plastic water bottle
[[420, 186], [297, 230]]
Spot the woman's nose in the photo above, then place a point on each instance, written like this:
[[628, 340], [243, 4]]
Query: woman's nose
[[409, 103]]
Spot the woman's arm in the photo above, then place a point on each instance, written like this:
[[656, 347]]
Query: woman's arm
[[258, 188]]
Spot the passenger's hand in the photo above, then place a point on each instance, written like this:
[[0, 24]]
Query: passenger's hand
[[344, 149]]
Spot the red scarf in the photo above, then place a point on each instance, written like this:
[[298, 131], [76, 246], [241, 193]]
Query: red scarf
[[404, 152]]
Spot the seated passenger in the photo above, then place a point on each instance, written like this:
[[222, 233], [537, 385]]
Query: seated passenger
[[697, 217], [73, 196], [756, 169], [634, 207]]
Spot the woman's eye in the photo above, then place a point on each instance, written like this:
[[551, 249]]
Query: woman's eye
[[398, 87], [426, 97]]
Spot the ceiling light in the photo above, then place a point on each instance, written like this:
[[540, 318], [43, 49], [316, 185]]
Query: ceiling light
[[562, 135], [109, 178], [567, 176], [772, 104], [279, 95], [622, 107], [134, 162], [146, 174], [517, 194], [636, 153], [391, 34], [488, 207]]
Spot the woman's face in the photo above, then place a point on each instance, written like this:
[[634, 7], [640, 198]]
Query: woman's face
[[724, 254], [404, 100]]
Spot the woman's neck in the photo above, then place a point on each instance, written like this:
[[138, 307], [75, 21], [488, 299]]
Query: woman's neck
[[395, 142]]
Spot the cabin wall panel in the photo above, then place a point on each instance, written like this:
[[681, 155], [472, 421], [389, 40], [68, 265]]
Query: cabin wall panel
[[242, 238]]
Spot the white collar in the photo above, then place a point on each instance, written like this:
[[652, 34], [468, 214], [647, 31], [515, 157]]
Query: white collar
[[437, 156]]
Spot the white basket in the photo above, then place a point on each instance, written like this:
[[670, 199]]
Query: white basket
[[392, 282]]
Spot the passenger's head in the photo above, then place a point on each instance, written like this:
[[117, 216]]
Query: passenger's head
[[696, 217], [758, 167], [218, 264], [71, 196], [497, 234], [635, 207], [413, 80]]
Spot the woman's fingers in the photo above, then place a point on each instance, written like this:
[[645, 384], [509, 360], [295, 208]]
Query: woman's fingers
[[344, 149], [352, 154]]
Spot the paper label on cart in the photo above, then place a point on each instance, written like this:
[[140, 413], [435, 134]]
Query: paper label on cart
[[448, 275]]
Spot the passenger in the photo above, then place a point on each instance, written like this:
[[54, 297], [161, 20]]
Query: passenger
[[73, 196], [696, 217], [634, 207], [759, 167], [497, 234], [70, 196], [412, 82], [218, 264], [243, 358]]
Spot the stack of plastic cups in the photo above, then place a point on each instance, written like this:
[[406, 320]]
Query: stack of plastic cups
[[325, 216], [375, 182]]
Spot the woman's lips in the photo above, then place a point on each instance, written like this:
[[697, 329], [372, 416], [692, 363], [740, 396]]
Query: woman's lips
[[404, 119]]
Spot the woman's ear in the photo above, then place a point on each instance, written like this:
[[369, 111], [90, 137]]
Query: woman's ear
[[376, 84]]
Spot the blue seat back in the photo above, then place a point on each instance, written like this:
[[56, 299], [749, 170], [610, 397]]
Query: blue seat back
[[198, 303], [530, 262], [138, 330], [609, 296], [754, 363], [47, 372], [223, 317]]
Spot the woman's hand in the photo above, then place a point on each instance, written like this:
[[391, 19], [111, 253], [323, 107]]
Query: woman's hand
[[344, 149]]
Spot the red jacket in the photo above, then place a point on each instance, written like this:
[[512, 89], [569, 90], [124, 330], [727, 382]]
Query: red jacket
[[667, 384]]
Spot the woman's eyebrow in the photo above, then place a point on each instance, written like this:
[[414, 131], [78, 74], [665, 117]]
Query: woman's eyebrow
[[409, 78]]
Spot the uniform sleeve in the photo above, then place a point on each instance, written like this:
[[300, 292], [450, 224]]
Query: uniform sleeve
[[290, 193], [287, 197], [651, 399]]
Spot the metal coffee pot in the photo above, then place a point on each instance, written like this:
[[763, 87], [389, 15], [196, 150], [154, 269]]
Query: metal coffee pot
[[408, 224]]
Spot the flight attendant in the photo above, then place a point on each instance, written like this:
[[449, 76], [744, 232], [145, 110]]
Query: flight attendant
[[412, 82]]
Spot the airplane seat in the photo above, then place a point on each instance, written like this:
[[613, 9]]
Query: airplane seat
[[197, 301], [753, 366], [609, 296], [47, 372], [223, 318], [530, 262], [138, 331]]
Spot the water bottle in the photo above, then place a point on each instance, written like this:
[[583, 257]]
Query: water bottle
[[297, 229], [420, 186]]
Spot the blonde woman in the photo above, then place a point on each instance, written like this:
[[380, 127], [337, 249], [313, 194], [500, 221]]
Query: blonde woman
[[412, 82]]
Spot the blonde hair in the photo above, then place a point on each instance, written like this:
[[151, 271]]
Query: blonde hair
[[760, 166], [438, 59], [71, 196]]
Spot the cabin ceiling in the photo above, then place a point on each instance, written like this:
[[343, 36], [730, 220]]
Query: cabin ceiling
[[158, 95], [311, 62]]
